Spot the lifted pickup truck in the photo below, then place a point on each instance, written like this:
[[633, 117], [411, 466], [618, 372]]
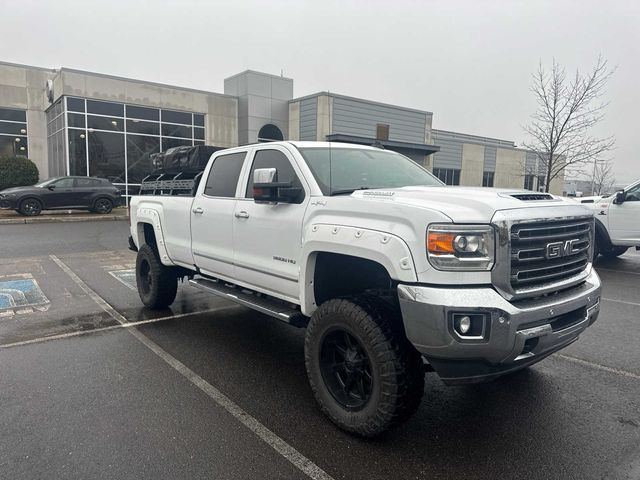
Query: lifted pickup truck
[[617, 222], [390, 272]]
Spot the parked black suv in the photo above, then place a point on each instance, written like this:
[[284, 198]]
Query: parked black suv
[[89, 193]]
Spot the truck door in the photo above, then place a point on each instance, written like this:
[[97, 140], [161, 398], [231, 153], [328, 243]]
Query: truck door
[[624, 218], [267, 237], [212, 219]]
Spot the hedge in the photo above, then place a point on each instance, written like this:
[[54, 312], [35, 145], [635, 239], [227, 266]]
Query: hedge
[[17, 172]]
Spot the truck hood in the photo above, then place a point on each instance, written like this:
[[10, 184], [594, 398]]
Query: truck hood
[[465, 204]]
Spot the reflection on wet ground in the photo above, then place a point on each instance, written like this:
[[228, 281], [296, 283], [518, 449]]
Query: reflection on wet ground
[[38, 299]]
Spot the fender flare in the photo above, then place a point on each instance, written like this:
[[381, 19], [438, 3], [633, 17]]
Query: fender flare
[[151, 216], [386, 249]]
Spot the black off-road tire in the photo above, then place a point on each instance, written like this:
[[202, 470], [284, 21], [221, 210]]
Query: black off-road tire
[[157, 283], [396, 367], [30, 207]]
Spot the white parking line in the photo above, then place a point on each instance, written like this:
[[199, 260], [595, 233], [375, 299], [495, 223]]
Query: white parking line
[[119, 325], [615, 271], [597, 366], [621, 301], [270, 438]]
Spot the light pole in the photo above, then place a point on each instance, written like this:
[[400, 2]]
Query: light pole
[[593, 178]]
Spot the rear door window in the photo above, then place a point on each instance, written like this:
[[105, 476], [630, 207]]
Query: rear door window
[[224, 175]]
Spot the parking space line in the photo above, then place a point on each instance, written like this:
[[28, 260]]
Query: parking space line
[[118, 326], [615, 271], [261, 431], [604, 368], [621, 301]]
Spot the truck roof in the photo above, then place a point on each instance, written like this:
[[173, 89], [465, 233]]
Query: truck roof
[[308, 144]]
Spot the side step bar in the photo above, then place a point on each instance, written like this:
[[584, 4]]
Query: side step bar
[[260, 303]]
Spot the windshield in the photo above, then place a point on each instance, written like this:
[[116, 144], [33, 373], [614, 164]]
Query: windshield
[[343, 170]]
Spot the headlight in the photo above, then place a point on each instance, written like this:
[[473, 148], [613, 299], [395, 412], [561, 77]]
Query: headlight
[[460, 247], [7, 196]]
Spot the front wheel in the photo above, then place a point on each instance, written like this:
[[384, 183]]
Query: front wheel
[[157, 283], [30, 207], [364, 373]]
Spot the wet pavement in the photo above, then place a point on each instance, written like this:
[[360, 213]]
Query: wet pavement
[[148, 401]]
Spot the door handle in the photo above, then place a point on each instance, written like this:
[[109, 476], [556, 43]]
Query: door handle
[[198, 211], [242, 214]]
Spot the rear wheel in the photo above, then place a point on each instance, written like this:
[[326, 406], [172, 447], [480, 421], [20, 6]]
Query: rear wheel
[[31, 207], [102, 205], [157, 283], [364, 373]]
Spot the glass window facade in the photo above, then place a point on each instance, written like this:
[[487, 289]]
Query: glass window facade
[[13, 133], [529, 181], [56, 144], [487, 179], [115, 140], [449, 176]]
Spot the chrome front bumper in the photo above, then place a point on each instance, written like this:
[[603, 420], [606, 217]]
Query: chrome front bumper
[[517, 334]]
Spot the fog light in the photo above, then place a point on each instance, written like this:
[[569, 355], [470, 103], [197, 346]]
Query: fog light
[[470, 326], [464, 325]]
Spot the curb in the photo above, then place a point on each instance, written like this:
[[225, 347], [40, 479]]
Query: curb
[[94, 218]]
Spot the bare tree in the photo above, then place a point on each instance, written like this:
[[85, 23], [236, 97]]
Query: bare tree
[[603, 179], [568, 110]]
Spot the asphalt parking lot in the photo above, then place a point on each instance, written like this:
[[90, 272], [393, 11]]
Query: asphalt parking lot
[[93, 385]]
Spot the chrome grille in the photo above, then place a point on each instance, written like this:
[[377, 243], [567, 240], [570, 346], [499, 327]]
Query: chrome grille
[[549, 252]]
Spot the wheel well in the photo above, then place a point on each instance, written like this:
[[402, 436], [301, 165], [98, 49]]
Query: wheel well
[[601, 233], [149, 236], [338, 275], [95, 200], [22, 200]]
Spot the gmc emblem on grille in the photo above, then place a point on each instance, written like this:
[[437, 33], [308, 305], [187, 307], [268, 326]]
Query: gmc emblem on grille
[[561, 249]]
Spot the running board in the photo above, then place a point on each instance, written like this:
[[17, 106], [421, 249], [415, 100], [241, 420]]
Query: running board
[[258, 302]]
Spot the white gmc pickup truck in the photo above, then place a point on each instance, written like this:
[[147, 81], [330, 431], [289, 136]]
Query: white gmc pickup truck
[[390, 272]]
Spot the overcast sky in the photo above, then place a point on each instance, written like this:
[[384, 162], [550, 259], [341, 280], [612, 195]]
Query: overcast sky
[[468, 62]]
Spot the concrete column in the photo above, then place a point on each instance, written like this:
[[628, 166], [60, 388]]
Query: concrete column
[[510, 167], [294, 121], [472, 165], [325, 115]]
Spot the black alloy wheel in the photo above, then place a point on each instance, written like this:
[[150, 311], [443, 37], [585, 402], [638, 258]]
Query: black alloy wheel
[[103, 206], [31, 207], [364, 373], [346, 369]]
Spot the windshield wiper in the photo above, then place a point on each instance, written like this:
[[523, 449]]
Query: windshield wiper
[[348, 191]]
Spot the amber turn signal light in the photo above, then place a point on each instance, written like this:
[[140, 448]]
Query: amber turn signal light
[[441, 242]]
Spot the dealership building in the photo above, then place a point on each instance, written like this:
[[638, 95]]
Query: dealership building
[[72, 122]]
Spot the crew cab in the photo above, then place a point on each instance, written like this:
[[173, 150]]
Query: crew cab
[[617, 222], [391, 273]]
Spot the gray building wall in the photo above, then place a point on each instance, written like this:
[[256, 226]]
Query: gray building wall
[[262, 99], [221, 111], [474, 155], [359, 117], [22, 87], [327, 113], [308, 118]]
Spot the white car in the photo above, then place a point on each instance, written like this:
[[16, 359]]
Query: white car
[[617, 222]]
